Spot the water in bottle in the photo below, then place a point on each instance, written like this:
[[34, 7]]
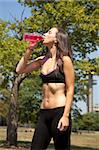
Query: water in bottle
[[33, 37]]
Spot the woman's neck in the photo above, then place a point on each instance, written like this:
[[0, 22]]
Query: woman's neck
[[53, 51]]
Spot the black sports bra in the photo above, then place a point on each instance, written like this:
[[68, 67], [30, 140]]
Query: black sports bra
[[56, 76]]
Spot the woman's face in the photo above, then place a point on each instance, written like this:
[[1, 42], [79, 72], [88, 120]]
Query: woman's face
[[50, 36]]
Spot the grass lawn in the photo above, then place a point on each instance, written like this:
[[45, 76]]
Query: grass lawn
[[84, 141]]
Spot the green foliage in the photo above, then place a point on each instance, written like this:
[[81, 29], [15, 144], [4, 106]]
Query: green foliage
[[79, 19], [89, 66], [11, 49], [29, 100], [88, 121], [4, 103]]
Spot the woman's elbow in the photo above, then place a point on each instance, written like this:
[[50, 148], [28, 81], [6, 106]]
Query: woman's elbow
[[70, 89], [18, 71]]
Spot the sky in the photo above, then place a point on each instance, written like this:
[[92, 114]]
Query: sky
[[10, 9]]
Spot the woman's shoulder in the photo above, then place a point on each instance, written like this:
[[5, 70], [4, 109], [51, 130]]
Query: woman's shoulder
[[67, 62], [66, 58]]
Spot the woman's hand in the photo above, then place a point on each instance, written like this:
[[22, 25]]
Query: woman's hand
[[63, 123], [32, 45]]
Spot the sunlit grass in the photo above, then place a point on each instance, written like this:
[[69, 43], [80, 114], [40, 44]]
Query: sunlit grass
[[84, 141]]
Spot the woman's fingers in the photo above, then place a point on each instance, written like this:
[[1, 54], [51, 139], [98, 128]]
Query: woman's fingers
[[61, 126], [32, 45]]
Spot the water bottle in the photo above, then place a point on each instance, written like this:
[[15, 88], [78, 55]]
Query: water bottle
[[33, 37]]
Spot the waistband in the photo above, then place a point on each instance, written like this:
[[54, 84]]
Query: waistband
[[51, 109]]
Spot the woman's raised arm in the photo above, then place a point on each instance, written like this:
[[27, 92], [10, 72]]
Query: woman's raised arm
[[25, 67]]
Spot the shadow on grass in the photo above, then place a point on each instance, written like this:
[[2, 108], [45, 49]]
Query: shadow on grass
[[82, 148], [51, 146], [26, 145]]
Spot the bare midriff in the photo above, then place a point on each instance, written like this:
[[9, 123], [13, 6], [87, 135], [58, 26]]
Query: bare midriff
[[53, 95]]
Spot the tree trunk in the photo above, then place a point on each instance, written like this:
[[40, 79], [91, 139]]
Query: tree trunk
[[12, 120]]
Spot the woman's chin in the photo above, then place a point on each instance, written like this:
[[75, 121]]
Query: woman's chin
[[45, 43]]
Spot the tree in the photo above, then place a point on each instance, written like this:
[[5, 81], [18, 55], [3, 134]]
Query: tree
[[10, 51]]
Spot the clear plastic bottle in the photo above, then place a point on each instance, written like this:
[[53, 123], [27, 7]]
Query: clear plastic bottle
[[33, 37]]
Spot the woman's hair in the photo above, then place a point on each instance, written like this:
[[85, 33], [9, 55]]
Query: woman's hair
[[63, 47], [63, 44]]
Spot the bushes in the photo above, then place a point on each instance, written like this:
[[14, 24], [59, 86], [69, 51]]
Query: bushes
[[88, 121]]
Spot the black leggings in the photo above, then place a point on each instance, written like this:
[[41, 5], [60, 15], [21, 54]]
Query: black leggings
[[47, 128]]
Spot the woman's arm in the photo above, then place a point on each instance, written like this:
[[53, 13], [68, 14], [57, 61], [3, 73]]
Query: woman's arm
[[25, 67], [69, 78]]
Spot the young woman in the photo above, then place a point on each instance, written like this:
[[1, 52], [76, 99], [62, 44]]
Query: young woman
[[57, 74]]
